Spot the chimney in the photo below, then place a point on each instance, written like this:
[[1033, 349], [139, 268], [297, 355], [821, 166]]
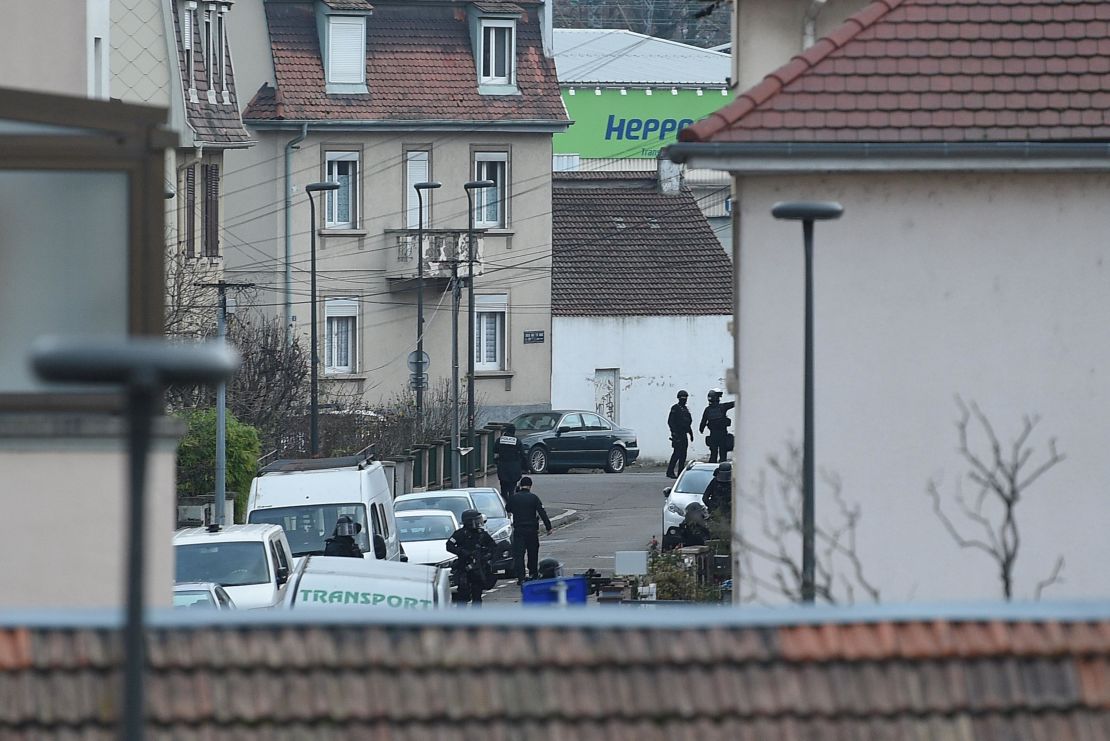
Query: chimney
[[670, 176]]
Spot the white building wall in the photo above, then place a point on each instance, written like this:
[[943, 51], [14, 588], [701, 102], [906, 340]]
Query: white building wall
[[994, 287], [656, 356]]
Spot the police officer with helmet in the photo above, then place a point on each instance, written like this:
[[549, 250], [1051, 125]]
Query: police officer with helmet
[[682, 434], [342, 542], [715, 417], [474, 550], [510, 457]]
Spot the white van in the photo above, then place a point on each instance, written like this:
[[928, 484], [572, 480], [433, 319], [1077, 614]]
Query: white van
[[335, 581], [307, 497], [251, 562]]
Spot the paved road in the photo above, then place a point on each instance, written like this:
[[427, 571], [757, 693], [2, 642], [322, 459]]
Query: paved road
[[619, 512]]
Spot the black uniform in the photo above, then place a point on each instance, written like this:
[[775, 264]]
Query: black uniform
[[718, 498], [680, 421], [715, 417], [510, 457], [527, 510], [692, 534], [473, 570], [342, 545]]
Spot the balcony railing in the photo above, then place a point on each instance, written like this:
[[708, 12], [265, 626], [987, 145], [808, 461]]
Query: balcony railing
[[441, 248]]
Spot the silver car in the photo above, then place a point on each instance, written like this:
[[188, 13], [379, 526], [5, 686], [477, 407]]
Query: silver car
[[201, 594], [482, 498], [689, 487]]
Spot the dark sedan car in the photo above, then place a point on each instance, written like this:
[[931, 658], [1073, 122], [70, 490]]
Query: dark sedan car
[[562, 439]]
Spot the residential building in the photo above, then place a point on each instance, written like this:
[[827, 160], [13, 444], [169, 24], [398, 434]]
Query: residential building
[[996, 673], [629, 95], [379, 101], [641, 298], [78, 36], [967, 143]]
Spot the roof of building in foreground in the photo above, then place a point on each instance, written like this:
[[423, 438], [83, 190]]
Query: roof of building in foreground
[[994, 674], [946, 71], [587, 56], [620, 246]]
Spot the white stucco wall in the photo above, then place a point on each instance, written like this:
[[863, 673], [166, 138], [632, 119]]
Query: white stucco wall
[[994, 287], [656, 357]]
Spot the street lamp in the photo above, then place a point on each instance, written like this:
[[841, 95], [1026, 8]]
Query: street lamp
[[808, 212], [419, 385], [470, 187], [314, 408]]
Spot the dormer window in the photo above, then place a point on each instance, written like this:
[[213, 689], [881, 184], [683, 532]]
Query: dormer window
[[345, 60], [498, 52]]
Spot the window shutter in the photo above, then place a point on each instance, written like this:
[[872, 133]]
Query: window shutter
[[341, 307], [191, 211], [492, 302], [212, 210], [346, 50], [416, 171]]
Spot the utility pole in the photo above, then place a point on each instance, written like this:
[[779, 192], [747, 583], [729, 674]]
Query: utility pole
[[221, 403], [419, 371], [470, 187], [456, 442]]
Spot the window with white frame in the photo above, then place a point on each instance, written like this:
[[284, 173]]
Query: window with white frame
[[498, 53], [341, 323], [341, 211], [346, 50], [417, 170], [491, 314], [489, 203]]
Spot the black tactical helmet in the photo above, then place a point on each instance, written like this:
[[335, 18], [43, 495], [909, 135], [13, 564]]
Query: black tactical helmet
[[472, 519], [723, 473], [696, 513], [683, 394], [715, 394], [549, 568], [346, 526]]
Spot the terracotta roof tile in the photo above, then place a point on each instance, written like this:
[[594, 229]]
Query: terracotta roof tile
[[623, 248], [419, 66], [1035, 52]]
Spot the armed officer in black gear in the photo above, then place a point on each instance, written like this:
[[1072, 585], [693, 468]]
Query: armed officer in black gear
[[474, 550], [510, 457], [682, 434], [342, 542], [527, 510], [694, 529], [715, 417], [718, 495]]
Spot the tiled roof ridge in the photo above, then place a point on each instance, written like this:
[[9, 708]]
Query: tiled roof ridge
[[798, 65]]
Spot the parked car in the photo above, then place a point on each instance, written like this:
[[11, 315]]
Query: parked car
[[558, 440], [482, 498], [425, 532], [307, 497], [251, 562], [201, 594], [689, 487], [361, 584]]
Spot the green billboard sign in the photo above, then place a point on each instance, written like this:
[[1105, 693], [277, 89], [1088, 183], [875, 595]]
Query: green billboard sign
[[634, 125]]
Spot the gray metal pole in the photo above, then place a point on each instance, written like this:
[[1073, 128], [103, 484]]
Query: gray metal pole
[[314, 406], [221, 419], [455, 437], [470, 336], [808, 495], [420, 311]]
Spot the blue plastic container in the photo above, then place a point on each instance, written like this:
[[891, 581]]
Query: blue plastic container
[[543, 591]]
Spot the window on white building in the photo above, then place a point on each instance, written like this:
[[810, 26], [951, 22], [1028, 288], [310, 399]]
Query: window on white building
[[498, 53], [341, 211], [489, 203], [491, 315], [341, 324], [417, 170]]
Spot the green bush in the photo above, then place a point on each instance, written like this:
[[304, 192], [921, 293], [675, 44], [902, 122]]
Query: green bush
[[196, 457], [674, 582]]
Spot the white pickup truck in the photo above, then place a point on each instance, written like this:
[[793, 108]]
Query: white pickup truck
[[334, 581]]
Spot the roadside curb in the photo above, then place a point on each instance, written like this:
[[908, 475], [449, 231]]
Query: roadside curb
[[566, 517]]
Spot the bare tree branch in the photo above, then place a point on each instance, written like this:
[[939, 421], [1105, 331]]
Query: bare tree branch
[[1001, 475], [1053, 578]]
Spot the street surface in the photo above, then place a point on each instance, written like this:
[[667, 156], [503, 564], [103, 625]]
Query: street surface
[[613, 512]]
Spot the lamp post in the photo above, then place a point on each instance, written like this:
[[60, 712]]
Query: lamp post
[[314, 406], [419, 385], [470, 187], [143, 367], [808, 212]]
